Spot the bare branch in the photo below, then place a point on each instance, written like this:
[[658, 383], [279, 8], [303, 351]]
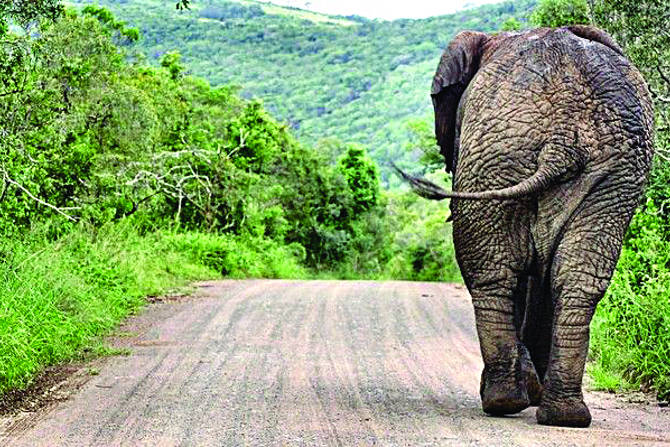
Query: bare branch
[[137, 204], [38, 200], [658, 97]]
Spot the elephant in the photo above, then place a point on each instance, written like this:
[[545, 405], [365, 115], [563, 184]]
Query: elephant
[[549, 136]]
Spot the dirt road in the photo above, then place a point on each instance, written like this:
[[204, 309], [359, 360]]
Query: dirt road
[[308, 363]]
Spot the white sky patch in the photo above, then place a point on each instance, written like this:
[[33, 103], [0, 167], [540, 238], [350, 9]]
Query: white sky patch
[[381, 9]]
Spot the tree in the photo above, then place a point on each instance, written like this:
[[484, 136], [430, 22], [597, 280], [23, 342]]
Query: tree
[[172, 61], [556, 13], [25, 11], [362, 177], [113, 26], [423, 140], [511, 24]]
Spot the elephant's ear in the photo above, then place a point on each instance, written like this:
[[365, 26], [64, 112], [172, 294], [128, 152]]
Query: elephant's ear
[[459, 63], [595, 34]]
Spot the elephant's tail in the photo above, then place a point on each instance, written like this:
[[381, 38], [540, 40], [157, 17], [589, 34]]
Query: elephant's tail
[[539, 181]]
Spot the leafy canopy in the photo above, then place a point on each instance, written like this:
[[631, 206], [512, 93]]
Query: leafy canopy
[[557, 13], [25, 11]]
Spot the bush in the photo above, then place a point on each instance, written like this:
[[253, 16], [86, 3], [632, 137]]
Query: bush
[[422, 248], [240, 257]]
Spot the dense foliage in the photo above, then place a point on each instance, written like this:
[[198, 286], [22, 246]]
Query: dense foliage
[[556, 13], [23, 12], [351, 78], [91, 137]]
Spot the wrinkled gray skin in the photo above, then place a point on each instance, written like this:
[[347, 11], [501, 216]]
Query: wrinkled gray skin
[[549, 136]]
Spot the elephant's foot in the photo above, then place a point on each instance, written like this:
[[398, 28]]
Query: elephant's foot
[[503, 393], [511, 387], [503, 397], [571, 412]]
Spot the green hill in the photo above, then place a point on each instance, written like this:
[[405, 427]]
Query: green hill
[[351, 78]]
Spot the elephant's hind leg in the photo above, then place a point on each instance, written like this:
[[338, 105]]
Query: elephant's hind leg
[[492, 246], [509, 381], [581, 270]]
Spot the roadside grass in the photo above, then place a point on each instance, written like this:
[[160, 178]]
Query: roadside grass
[[630, 343], [57, 298]]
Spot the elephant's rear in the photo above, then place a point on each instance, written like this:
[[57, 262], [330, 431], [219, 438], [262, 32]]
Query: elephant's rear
[[602, 109], [553, 88]]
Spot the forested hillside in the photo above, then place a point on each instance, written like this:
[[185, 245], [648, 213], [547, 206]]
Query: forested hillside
[[351, 78]]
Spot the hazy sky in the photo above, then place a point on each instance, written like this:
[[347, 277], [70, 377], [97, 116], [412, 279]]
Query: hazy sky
[[384, 9]]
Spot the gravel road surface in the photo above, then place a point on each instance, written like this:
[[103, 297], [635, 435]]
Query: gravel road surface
[[313, 363]]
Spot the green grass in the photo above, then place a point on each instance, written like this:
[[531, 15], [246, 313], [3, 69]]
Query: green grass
[[630, 343], [58, 298]]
